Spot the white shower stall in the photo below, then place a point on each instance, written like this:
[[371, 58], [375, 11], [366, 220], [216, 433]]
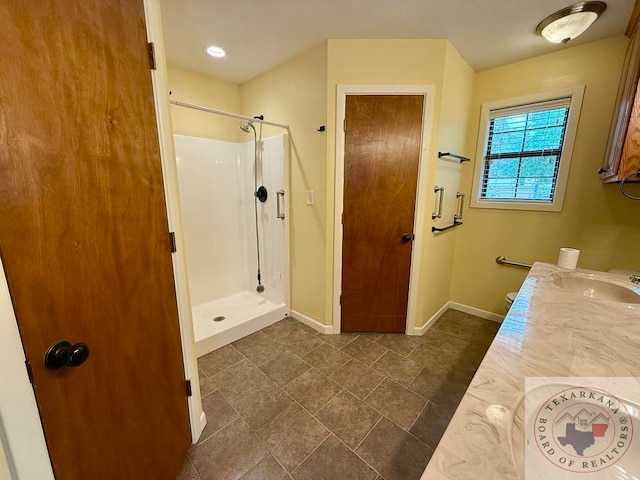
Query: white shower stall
[[216, 182]]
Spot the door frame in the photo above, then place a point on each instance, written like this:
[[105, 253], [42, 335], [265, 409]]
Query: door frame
[[419, 224], [21, 432]]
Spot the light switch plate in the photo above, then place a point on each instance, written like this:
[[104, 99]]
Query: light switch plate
[[309, 197]]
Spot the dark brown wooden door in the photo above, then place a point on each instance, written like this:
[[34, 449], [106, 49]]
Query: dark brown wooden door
[[381, 155], [84, 237]]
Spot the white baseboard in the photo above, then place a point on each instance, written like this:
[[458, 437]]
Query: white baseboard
[[310, 322], [434, 318], [326, 329], [494, 317], [203, 423]]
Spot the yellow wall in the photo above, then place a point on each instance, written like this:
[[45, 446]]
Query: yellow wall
[[295, 93], [457, 91], [411, 62], [595, 219], [302, 93], [192, 87], [458, 265]]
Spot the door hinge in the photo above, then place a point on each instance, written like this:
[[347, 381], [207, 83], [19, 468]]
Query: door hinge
[[152, 55], [344, 124], [340, 299], [172, 239], [342, 218], [29, 371], [189, 390]]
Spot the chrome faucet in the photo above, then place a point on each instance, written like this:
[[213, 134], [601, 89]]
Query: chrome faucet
[[635, 279]]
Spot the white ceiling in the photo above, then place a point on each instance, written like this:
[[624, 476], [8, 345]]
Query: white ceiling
[[260, 34]]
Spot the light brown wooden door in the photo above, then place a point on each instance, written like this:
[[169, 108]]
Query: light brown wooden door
[[381, 155], [84, 236]]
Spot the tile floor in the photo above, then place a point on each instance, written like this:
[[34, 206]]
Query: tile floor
[[290, 403]]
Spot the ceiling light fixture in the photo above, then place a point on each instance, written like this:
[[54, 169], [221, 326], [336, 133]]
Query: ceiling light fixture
[[214, 51], [568, 23]]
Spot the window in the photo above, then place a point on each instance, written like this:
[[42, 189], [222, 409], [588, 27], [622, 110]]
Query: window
[[524, 151]]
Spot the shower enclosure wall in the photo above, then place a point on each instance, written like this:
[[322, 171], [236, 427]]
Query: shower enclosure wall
[[216, 181]]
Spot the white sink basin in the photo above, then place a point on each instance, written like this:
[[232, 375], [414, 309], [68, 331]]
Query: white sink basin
[[597, 288]]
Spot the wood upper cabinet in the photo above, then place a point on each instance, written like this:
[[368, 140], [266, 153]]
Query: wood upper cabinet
[[622, 156]]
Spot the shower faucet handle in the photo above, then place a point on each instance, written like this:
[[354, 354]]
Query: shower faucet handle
[[261, 194]]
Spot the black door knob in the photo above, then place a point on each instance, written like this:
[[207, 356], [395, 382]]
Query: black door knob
[[64, 354], [261, 194], [406, 238]]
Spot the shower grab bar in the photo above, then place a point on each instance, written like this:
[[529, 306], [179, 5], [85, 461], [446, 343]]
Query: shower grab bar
[[444, 229], [503, 261], [439, 201], [280, 194], [227, 114], [453, 155], [458, 217]]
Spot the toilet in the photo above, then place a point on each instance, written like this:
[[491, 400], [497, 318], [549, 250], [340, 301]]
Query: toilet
[[509, 298]]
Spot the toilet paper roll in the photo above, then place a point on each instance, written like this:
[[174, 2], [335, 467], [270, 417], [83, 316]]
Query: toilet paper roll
[[568, 258]]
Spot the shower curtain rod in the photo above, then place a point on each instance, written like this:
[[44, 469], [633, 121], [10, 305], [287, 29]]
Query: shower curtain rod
[[228, 114]]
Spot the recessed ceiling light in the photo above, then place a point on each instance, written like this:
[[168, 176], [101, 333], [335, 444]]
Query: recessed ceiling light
[[568, 23], [214, 51]]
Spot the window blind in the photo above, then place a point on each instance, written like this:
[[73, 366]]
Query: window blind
[[524, 147]]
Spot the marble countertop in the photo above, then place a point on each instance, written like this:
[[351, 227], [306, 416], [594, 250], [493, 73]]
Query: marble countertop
[[548, 332]]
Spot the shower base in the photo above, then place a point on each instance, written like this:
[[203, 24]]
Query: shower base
[[244, 313]]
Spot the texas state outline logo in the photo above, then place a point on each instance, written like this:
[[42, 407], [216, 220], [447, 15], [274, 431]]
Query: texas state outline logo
[[583, 429]]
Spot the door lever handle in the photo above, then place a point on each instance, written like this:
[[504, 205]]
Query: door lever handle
[[64, 354]]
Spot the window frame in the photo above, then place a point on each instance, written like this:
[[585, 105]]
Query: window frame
[[575, 94]]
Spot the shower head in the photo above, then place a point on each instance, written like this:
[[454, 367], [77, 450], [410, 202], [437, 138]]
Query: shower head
[[247, 126]]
